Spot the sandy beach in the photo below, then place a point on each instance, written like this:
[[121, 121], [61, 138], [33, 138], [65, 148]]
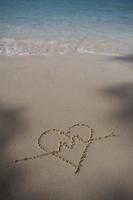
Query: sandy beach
[[56, 92]]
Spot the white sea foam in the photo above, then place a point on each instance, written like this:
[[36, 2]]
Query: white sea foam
[[39, 47]]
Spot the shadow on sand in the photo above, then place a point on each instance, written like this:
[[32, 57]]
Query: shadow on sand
[[116, 191], [127, 58], [119, 193], [12, 126], [123, 93]]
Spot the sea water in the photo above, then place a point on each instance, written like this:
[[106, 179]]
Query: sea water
[[49, 27]]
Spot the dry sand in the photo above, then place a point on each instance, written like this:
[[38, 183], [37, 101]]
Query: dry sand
[[37, 94]]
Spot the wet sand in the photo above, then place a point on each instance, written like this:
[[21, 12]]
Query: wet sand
[[54, 93]]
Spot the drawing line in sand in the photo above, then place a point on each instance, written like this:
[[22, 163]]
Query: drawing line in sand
[[61, 145]]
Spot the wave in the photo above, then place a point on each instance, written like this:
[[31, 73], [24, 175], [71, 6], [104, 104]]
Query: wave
[[38, 47]]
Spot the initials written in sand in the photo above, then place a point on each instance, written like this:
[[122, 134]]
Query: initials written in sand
[[69, 146]]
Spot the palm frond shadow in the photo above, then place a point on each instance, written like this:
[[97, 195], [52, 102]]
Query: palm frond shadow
[[13, 125], [126, 58]]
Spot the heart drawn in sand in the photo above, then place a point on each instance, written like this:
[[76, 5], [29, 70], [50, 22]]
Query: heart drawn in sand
[[73, 139]]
